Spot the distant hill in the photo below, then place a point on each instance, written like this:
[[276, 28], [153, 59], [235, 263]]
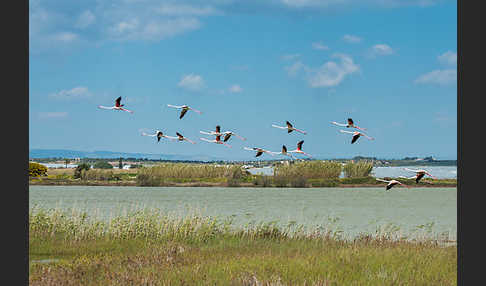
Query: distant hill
[[62, 153]]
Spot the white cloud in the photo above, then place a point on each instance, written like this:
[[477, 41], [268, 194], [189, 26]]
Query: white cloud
[[65, 37], [333, 73], [45, 115], [235, 88], [154, 20], [184, 10], [319, 46], [322, 4], [77, 92], [381, 50], [85, 19], [448, 58], [440, 77], [192, 82], [112, 20], [124, 27], [289, 57], [295, 68], [135, 29], [352, 39]]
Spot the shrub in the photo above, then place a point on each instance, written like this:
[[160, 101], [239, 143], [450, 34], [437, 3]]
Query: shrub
[[358, 170], [37, 170], [280, 181], [233, 183], [298, 182], [79, 168], [324, 182], [102, 165], [263, 181], [98, 175]]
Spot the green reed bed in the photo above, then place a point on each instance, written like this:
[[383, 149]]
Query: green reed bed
[[359, 169], [298, 174], [309, 169], [151, 247], [157, 175]]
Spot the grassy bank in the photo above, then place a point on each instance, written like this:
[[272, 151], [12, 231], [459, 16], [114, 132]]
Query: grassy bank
[[249, 181], [152, 248], [299, 174]]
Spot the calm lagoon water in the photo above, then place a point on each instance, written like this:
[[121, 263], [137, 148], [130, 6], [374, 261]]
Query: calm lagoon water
[[352, 210]]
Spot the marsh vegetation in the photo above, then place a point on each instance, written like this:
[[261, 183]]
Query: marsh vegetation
[[297, 174], [150, 247]]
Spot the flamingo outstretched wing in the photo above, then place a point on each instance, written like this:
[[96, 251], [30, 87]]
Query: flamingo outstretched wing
[[151, 135], [207, 140], [227, 137], [344, 131], [409, 178], [338, 124], [299, 145], [174, 106], [183, 112], [276, 126], [105, 107], [206, 133]]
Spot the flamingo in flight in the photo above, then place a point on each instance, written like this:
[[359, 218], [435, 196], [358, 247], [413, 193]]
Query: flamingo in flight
[[259, 151], [419, 174], [392, 183], [182, 138], [217, 141], [299, 149], [184, 109], [217, 131], [284, 152], [117, 106], [356, 135], [227, 135], [289, 128], [158, 134], [350, 124]]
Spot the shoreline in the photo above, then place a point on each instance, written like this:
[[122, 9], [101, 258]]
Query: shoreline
[[51, 182]]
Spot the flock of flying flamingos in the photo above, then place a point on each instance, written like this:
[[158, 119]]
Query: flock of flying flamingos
[[419, 174]]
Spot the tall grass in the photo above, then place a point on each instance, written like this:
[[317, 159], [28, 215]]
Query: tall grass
[[150, 247], [309, 170], [154, 176], [358, 170], [155, 224]]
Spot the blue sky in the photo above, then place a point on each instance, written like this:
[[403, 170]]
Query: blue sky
[[388, 64]]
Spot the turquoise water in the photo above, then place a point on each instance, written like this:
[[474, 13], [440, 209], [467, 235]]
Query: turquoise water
[[352, 210]]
